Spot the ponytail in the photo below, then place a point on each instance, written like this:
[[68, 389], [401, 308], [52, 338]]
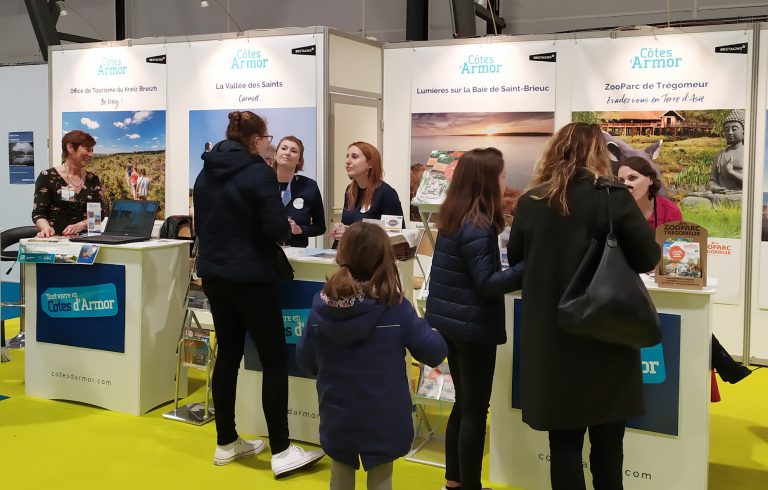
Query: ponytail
[[244, 125], [343, 285], [366, 266]]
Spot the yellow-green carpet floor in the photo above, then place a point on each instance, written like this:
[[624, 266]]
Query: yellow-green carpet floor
[[61, 445]]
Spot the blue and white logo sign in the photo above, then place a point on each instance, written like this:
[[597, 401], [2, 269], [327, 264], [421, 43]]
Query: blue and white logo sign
[[477, 64], [80, 302], [111, 66], [652, 58], [248, 59], [652, 360], [294, 321], [81, 306]]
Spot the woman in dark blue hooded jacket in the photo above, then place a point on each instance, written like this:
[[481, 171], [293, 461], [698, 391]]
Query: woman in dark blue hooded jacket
[[466, 304], [355, 342], [239, 219]]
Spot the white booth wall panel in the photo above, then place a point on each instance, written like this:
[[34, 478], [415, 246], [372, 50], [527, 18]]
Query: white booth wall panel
[[302, 87], [354, 65], [398, 66], [350, 122], [732, 93], [24, 103], [758, 349]]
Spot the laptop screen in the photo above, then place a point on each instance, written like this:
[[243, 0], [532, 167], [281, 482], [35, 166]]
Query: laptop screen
[[132, 218]]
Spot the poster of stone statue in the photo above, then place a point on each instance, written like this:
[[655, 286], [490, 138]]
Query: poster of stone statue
[[677, 101], [697, 155]]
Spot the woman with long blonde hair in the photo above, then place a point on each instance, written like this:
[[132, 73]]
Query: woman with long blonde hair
[[583, 384]]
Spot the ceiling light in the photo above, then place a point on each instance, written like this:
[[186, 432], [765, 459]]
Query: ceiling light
[[62, 8], [203, 3]]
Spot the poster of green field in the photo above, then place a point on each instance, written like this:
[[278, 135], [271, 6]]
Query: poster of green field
[[129, 156], [698, 154]]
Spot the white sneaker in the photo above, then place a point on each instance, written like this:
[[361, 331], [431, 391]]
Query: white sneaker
[[292, 459], [241, 447]]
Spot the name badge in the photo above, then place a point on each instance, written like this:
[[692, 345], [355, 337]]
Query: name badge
[[67, 194], [298, 203]]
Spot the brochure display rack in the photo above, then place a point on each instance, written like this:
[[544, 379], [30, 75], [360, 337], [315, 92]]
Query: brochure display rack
[[434, 391], [196, 350]]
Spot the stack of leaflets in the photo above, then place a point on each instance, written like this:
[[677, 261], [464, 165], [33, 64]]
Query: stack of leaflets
[[196, 297], [436, 177], [681, 257], [436, 383], [196, 346]]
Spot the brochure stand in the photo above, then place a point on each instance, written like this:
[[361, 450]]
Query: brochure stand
[[425, 213], [434, 389], [196, 349], [426, 442]]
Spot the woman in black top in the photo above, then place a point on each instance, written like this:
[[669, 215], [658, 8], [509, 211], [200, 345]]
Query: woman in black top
[[367, 196], [62, 192], [300, 194]]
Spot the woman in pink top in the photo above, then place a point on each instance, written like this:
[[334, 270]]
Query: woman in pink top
[[643, 182]]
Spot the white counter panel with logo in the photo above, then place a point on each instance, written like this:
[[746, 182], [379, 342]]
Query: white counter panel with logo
[[666, 448], [310, 274], [106, 334]]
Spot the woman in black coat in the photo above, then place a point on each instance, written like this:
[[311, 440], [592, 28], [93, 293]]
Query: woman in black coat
[[239, 220], [571, 383], [466, 304]]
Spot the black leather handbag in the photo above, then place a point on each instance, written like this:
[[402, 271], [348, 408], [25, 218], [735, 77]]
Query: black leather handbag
[[284, 269], [606, 300]]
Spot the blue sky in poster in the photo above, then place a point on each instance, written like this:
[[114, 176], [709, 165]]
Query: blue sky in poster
[[119, 131], [210, 126]]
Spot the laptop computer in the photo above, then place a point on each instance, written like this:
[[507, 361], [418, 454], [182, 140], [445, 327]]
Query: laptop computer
[[129, 221]]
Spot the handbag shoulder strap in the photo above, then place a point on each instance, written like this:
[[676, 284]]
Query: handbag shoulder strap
[[611, 238]]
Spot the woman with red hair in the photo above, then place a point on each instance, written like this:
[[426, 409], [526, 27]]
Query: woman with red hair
[[367, 196]]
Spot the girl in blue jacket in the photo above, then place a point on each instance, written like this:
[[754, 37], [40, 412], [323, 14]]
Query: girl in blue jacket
[[466, 303], [355, 341]]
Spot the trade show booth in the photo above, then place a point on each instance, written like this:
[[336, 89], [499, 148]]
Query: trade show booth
[[663, 94], [106, 334]]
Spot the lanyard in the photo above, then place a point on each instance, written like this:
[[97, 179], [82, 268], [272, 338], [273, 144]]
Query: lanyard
[[287, 193]]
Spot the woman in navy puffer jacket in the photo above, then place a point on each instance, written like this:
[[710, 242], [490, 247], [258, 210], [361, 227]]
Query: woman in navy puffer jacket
[[466, 303]]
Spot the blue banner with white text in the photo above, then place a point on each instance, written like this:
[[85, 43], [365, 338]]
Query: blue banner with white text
[[295, 303], [661, 376], [81, 307]]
